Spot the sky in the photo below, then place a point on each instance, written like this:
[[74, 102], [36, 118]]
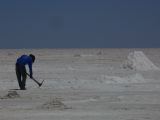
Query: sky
[[79, 23]]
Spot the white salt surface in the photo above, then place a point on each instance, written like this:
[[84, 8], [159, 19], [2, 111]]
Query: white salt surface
[[82, 84], [135, 78]]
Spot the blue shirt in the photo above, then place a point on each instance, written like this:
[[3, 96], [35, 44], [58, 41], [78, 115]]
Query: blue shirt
[[25, 60]]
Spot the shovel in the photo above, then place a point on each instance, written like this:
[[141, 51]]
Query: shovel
[[40, 84]]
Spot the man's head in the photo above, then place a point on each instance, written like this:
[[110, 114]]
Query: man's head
[[33, 57]]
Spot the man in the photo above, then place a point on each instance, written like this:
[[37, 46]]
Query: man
[[21, 70]]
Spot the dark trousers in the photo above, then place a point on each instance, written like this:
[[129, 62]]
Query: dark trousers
[[21, 76]]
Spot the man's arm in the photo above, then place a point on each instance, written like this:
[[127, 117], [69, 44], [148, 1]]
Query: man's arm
[[30, 70]]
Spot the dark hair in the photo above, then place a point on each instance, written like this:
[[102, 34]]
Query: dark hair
[[33, 57]]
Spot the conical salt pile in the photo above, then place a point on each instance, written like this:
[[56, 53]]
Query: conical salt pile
[[138, 61]]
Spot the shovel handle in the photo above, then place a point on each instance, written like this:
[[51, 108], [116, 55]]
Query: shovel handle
[[35, 80]]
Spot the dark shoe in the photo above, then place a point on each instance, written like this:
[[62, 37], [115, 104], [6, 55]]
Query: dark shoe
[[23, 88]]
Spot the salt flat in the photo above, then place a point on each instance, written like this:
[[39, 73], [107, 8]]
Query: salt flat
[[83, 84]]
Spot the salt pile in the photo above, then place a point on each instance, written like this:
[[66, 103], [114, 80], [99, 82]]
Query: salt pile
[[54, 104], [11, 94], [138, 61]]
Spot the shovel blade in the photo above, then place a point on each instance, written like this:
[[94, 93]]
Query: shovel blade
[[41, 83]]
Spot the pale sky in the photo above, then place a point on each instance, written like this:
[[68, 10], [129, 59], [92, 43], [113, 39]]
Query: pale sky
[[79, 23]]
